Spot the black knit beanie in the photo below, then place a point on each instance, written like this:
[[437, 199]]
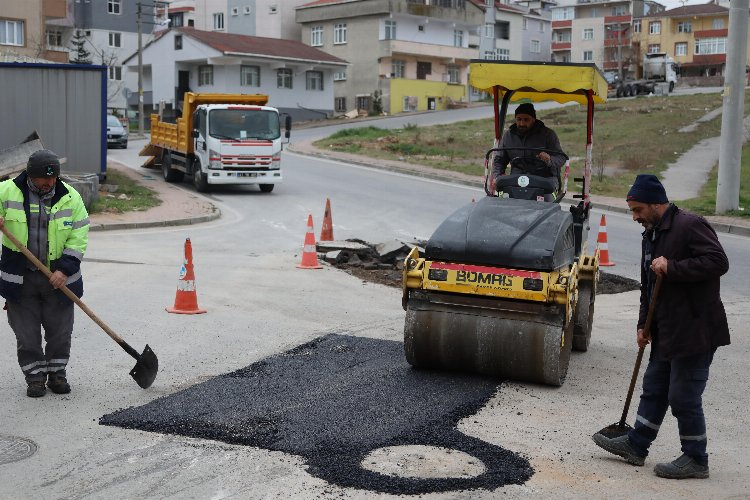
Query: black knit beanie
[[647, 189], [526, 109], [43, 163]]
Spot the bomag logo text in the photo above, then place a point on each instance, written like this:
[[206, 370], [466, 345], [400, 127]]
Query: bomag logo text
[[483, 278]]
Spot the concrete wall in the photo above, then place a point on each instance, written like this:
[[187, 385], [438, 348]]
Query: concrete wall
[[65, 104], [423, 90]]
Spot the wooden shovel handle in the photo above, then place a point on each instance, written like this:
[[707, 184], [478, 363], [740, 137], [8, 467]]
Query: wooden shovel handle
[[647, 333], [64, 288]]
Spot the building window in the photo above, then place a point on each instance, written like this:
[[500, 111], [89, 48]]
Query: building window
[[54, 38], [178, 42], [619, 10], [502, 54], [390, 30], [247, 10], [503, 30], [489, 55], [284, 78], [541, 27], [115, 73], [219, 21], [113, 6], [458, 38], [489, 30], [654, 28], [205, 75], [114, 39], [588, 34], [363, 102], [316, 36], [535, 47], [637, 26], [525, 23], [423, 69], [314, 80], [654, 48], [680, 49], [563, 13], [11, 32], [562, 36], [250, 76], [398, 68], [339, 76], [176, 20], [235, 11], [339, 103], [685, 27], [593, 12], [339, 33], [410, 103], [454, 73], [718, 24], [711, 46], [588, 55]]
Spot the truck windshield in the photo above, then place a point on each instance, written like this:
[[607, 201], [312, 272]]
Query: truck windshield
[[240, 124]]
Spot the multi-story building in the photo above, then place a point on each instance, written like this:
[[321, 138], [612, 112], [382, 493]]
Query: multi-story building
[[600, 32], [25, 33], [694, 35], [537, 30], [405, 55]]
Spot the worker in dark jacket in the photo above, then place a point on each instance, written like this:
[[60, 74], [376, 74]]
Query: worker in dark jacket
[[47, 216], [689, 324], [528, 132]]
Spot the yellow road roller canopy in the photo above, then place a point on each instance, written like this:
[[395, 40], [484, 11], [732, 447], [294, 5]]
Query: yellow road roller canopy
[[539, 81]]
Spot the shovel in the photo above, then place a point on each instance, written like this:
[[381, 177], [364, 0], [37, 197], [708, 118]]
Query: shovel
[[146, 366], [621, 428]]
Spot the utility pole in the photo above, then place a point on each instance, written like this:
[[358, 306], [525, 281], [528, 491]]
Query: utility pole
[[730, 149], [619, 51], [140, 72]]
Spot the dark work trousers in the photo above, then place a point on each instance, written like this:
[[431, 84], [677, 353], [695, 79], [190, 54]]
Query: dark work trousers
[[679, 384], [41, 306]]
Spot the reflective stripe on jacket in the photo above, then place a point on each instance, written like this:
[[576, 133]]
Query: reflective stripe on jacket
[[67, 235]]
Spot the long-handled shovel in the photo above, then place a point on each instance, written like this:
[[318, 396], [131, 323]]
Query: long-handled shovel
[[146, 366], [621, 428]]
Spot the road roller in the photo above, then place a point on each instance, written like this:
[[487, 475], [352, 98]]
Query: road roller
[[506, 286]]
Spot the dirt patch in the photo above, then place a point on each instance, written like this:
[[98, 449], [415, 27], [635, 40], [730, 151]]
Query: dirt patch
[[367, 264]]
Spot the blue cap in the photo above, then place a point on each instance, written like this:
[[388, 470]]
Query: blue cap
[[647, 189]]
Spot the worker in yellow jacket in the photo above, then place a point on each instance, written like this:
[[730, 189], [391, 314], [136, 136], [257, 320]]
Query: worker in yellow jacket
[[49, 217]]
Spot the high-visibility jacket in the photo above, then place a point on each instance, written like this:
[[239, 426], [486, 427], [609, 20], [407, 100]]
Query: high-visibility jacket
[[67, 235]]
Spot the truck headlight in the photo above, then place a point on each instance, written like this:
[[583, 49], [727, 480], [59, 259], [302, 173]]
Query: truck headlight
[[214, 159]]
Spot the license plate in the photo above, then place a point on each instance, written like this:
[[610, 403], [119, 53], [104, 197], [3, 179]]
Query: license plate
[[247, 174]]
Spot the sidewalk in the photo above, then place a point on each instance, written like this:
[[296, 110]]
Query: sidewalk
[[732, 225], [179, 206]]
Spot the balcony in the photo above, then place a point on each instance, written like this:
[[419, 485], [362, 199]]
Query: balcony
[[623, 41], [626, 19], [391, 47], [560, 46], [711, 33], [556, 25]]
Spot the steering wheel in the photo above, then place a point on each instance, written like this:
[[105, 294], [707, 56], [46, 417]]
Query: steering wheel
[[531, 165]]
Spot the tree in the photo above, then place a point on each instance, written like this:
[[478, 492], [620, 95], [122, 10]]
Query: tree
[[80, 54]]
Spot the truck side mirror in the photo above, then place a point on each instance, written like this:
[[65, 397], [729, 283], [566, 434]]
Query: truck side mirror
[[195, 133], [288, 124]]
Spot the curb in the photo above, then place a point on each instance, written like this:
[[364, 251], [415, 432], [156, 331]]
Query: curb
[[719, 227], [141, 225]]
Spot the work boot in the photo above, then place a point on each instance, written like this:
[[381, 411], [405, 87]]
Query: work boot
[[621, 447], [58, 384], [684, 467], [35, 388]]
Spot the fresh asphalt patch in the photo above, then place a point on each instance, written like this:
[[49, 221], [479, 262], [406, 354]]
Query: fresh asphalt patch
[[333, 401]]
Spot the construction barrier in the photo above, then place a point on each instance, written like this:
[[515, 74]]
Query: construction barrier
[[309, 252], [601, 244], [186, 299]]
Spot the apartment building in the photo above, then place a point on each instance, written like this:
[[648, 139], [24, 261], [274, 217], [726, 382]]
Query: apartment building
[[25, 34], [405, 55], [537, 30], [694, 35], [600, 32]]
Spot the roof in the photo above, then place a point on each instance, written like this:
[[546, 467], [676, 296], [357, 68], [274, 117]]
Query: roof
[[539, 81], [278, 48], [692, 10], [315, 3]]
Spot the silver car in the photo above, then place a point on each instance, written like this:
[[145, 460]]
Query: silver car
[[117, 134]]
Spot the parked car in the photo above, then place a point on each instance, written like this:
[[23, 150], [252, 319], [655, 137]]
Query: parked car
[[117, 134]]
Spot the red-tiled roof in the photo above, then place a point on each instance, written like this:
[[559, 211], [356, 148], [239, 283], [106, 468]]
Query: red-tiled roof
[[692, 10], [260, 46]]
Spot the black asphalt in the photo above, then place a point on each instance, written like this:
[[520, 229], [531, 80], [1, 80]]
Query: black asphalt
[[332, 401]]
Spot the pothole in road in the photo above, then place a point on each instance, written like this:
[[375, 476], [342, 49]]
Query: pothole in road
[[423, 462]]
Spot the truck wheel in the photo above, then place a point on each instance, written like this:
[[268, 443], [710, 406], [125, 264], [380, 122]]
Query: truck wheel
[[629, 91], [619, 91], [200, 180], [671, 86], [170, 174], [266, 188]]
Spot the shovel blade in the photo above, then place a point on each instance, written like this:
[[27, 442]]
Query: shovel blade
[[615, 430], [144, 371]]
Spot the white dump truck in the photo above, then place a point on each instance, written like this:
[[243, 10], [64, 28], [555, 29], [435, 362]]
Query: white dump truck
[[220, 139]]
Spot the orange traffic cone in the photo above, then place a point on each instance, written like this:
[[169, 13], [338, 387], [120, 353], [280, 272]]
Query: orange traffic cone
[[601, 244], [309, 254], [326, 232], [186, 300]]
